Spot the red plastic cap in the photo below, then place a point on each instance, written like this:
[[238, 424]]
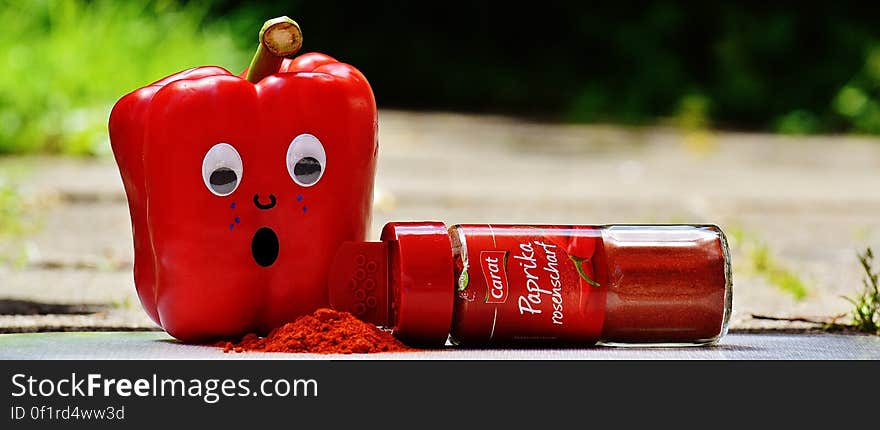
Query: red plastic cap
[[406, 282], [358, 281], [422, 281]]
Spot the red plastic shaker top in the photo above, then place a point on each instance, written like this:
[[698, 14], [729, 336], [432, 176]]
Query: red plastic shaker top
[[405, 282]]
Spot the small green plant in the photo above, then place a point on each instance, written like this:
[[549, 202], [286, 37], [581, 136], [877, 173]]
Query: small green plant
[[13, 223], [761, 262], [11, 210], [777, 274], [866, 314], [20, 215]]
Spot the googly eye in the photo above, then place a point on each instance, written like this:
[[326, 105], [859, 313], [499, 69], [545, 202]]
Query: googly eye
[[222, 169], [306, 160]]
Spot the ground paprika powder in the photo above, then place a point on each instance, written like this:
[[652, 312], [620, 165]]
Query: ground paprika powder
[[325, 331], [487, 285]]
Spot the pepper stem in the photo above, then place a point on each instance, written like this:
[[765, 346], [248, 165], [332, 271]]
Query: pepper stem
[[280, 37], [577, 265]]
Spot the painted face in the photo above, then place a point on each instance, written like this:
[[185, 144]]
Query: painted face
[[223, 173], [247, 192]]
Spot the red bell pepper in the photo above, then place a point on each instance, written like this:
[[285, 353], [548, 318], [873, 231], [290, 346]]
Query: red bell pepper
[[240, 188]]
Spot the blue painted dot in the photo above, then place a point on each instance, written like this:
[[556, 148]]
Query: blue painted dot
[[237, 220], [232, 206], [299, 198], [305, 208], [231, 226]]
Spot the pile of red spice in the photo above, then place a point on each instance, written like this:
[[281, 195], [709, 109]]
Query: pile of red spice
[[323, 332]]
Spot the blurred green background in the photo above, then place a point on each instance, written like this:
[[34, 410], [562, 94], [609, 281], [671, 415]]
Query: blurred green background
[[793, 68]]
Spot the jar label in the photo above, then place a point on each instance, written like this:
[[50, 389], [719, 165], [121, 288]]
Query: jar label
[[529, 283]]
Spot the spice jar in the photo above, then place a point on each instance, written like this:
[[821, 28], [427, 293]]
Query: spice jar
[[484, 285]]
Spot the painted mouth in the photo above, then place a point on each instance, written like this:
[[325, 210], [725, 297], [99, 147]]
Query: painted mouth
[[266, 206], [264, 246]]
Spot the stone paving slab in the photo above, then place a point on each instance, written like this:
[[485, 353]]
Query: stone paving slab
[[158, 345], [812, 200]]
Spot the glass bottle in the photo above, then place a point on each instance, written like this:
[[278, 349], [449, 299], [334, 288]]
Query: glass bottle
[[488, 285]]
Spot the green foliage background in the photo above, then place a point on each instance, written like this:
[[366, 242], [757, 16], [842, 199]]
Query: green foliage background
[[791, 68], [65, 62]]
